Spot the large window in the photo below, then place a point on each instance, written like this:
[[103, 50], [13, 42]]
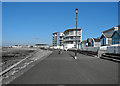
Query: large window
[[92, 43], [116, 39], [103, 41]]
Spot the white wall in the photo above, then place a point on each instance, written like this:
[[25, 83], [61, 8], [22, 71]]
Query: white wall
[[83, 45], [108, 41], [68, 46], [90, 49], [97, 44]]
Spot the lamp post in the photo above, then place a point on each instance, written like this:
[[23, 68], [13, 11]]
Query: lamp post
[[76, 10]]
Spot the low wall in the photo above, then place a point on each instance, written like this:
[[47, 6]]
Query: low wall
[[86, 52], [94, 49], [113, 49]]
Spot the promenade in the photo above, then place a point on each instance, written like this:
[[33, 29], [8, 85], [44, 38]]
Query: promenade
[[64, 69]]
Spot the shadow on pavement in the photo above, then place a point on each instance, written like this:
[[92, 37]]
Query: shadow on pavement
[[71, 55]]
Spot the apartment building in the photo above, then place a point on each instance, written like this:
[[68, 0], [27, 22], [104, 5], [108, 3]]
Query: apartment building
[[57, 40], [67, 39], [70, 38]]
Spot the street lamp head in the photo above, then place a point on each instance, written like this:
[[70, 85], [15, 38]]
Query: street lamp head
[[76, 10]]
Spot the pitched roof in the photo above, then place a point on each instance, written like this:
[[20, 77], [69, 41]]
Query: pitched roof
[[96, 39], [108, 35], [89, 39], [111, 29], [117, 32]]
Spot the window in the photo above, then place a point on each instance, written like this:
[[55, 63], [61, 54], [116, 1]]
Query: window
[[103, 41], [116, 39], [92, 43]]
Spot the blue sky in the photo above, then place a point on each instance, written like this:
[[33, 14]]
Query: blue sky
[[34, 22]]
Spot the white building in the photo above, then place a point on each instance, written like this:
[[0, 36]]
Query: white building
[[106, 39], [58, 40], [70, 38], [41, 45], [95, 42], [110, 40]]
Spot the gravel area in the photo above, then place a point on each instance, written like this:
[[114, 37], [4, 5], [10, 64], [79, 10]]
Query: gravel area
[[25, 65], [10, 56]]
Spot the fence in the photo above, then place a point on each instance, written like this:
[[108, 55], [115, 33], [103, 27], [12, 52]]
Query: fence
[[113, 49], [94, 49]]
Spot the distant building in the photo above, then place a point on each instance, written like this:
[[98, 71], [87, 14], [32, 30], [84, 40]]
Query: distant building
[[58, 40], [95, 42], [89, 41], [70, 38], [17, 46], [84, 43], [61, 41], [41, 45], [106, 39]]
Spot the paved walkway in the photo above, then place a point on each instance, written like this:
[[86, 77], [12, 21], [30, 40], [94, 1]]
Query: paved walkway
[[63, 69]]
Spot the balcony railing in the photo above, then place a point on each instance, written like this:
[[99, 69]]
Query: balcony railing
[[71, 39], [72, 35]]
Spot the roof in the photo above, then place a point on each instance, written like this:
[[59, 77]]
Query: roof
[[71, 30], [96, 39], [113, 28], [106, 35], [115, 32], [108, 30], [89, 39], [56, 32]]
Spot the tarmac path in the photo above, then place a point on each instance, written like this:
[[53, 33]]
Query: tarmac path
[[64, 69]]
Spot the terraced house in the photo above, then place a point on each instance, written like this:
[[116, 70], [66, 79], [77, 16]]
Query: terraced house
[[95, 42], [110, 36], [110, 40]]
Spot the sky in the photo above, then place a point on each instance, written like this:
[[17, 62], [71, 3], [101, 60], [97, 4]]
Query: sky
[[28, 23]]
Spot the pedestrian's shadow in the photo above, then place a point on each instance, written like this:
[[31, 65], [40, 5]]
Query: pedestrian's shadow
[[71, 55]]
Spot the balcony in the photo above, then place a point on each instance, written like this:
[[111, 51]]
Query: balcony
[[71, 39], [71, 35]]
